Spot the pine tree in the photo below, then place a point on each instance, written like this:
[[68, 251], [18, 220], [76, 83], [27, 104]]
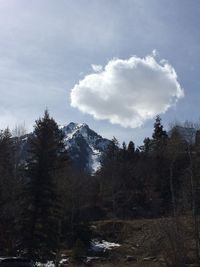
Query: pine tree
[[8, 190], [109, 176], [162, 183], [131, 150], [41, 220], [146, 148], [159, 136]]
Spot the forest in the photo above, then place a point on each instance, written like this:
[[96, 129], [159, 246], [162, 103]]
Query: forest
[[48, 206]]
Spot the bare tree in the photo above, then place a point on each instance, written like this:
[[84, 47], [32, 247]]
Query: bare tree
[[187, 133], [172, 229], [19, 130]]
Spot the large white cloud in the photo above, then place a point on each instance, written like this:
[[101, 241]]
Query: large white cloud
[[128, 92]]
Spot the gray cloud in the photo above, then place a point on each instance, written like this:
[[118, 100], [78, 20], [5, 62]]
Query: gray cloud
[[128, 92]]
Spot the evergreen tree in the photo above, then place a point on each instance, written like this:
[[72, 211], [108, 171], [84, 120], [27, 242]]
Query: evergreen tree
[[131, 147], [162, 183], [8, 190], [146, 148], [159, 136], [109, 176], [131, 150], [41, 218], [124, 146]]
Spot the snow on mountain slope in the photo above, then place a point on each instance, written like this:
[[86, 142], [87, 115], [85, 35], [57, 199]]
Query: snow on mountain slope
[[85, 147]]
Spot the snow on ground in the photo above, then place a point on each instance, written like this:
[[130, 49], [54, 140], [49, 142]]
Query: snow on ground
[[47, 264], [103, 245], [96, 246], [51, 263]]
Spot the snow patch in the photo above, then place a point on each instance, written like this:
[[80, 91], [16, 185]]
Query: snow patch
[[47, 264], [103, 245], [95, 162]]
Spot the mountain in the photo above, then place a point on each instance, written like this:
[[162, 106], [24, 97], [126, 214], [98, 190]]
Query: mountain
[[85, 147]]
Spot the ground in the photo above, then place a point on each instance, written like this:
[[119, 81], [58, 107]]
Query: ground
[[144, 242]]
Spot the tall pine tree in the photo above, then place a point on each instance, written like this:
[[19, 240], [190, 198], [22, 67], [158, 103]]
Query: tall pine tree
[[159, 147], [41, 220], [8, 190]]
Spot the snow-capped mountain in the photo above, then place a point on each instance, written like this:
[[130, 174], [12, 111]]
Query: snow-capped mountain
[[85, 147]]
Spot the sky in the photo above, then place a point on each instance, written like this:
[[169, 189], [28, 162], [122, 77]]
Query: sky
[[113, 64]]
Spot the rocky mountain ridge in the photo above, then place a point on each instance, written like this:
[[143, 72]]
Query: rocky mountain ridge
[[85, 147]]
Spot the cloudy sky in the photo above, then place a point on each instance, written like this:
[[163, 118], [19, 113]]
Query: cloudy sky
[[113, 64]]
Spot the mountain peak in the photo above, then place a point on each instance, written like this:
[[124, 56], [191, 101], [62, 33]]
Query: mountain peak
[[85, 146], [72, 126]]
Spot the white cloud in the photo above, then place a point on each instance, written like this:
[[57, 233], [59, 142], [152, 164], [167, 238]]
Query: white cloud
[[128, 92], [155, 53], [97, 68]]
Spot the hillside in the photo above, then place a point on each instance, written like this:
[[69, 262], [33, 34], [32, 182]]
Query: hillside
[[142, 242]]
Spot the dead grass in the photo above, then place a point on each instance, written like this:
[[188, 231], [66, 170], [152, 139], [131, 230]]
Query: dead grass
[[141, 239]]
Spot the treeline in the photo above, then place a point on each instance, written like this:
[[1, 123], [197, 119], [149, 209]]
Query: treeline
[[159, 178], [46, 205]]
